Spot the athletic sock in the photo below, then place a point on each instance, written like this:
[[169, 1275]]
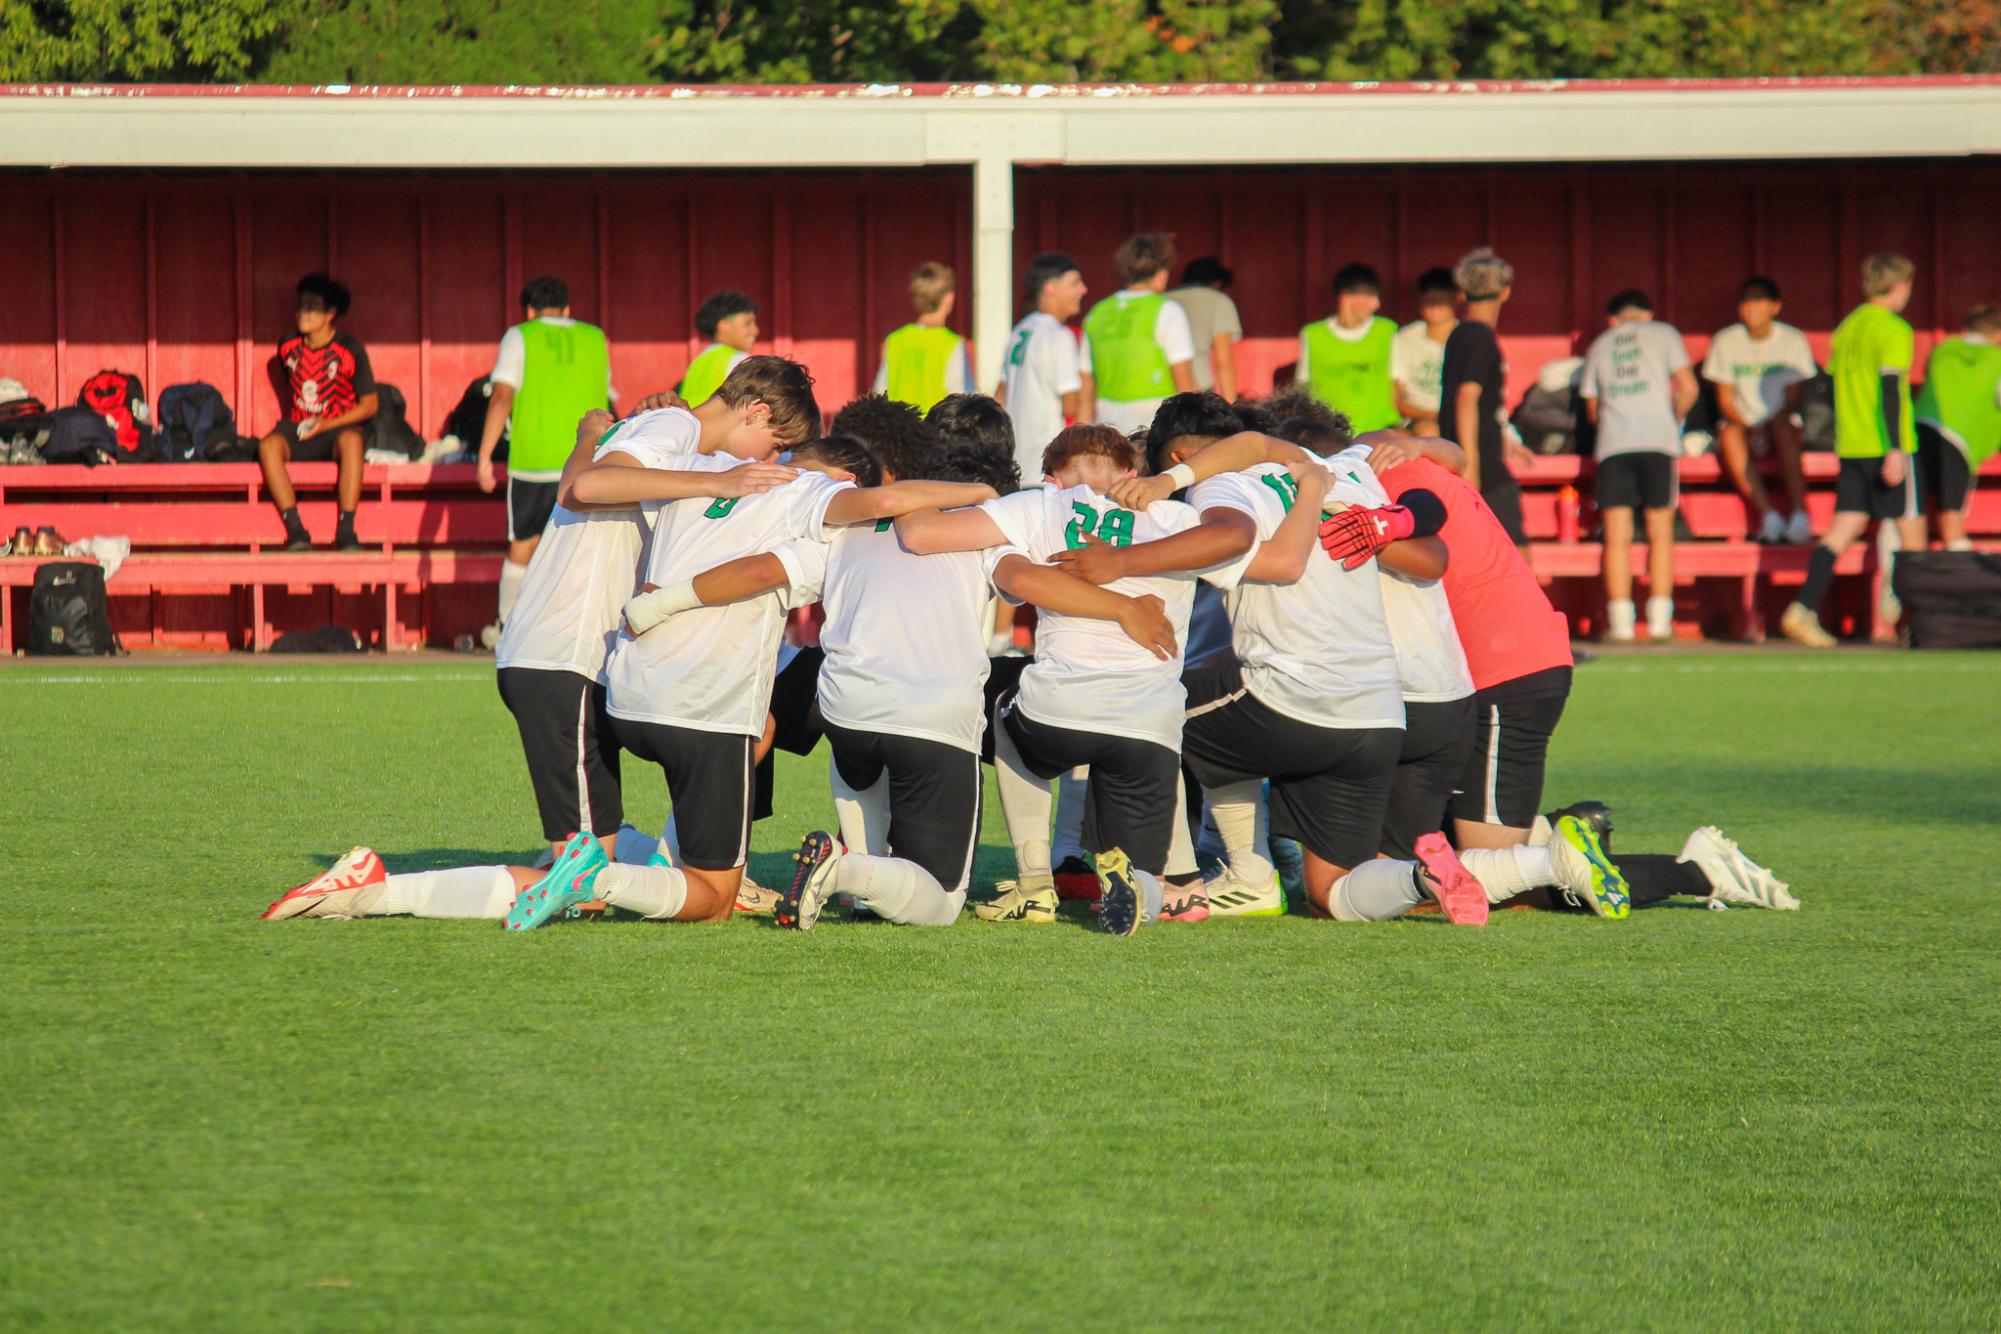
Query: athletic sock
[[344, 526], [1181, 863], [632, 847], [294, 529], [1660, 615], [1655, 876], [1376, 891], [511, 575], [1151, 896], [1071, 790], [1506, 872], [863, 812], [483, 892], [898, 891], [1619, 615], [1235, 807], [1025, 802], [1819, 574], [657, 892]]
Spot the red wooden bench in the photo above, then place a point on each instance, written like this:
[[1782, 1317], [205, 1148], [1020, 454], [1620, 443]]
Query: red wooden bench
[[209, 529]]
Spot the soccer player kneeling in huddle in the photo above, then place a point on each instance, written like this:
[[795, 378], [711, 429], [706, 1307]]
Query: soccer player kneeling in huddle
[[1092, 696], [1312, 699]]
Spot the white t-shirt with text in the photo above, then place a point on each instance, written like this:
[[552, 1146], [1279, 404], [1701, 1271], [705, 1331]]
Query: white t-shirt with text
[[1418, 364], [1040, 367], [1630, 371], [1759, 371]]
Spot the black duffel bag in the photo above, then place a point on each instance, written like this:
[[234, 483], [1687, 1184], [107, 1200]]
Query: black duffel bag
[[1953, 597], [68, 613]]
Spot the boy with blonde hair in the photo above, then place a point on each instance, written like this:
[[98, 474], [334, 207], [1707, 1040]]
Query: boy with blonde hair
[[924, 361], [1874, 436]]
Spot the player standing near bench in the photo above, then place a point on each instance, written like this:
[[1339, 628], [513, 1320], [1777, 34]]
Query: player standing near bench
[[729, 321], [1138, 347], [924, 361], [1875, 436], [550, 371], [332, 393]]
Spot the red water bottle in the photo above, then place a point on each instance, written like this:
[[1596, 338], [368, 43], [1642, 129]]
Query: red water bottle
[[1567, 508]]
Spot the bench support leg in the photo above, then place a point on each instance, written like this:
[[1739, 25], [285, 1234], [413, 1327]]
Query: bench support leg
[[389, 616], [257, 643]]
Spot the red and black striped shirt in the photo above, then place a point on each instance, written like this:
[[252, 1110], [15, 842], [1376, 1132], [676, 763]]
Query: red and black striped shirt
[[324, 381]]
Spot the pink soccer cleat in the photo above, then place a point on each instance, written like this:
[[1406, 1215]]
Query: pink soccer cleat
[[1458, 893], [348, 888]]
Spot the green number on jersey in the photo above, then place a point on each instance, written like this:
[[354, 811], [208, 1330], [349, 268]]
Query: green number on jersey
[[884, 525], [1282, 482], [1113, 526], [1019, 352], [719, 508]]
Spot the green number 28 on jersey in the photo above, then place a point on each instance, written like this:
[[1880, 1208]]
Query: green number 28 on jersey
[[1113, 526]]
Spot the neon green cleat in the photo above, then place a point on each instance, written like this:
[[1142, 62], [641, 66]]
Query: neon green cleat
[[1231, 897], [1587, 869], [1031, 899]]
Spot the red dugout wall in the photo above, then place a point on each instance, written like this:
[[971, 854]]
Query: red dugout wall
[[183, 276]]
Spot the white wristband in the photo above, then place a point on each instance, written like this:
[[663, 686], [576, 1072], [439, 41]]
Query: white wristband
[[643, 611], [1182, 475]]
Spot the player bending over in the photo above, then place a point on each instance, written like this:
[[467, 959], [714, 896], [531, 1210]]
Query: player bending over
[[1312, 699]]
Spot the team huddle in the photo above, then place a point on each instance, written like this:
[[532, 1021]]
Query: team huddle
[[1376, 677]]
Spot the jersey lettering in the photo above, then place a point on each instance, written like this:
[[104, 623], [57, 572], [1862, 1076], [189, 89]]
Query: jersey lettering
[[720, 508], [1019, 352], [1283, 483], [884, 525], [1114, 527]]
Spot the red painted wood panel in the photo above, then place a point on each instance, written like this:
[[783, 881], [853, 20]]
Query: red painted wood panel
[[134, 269]]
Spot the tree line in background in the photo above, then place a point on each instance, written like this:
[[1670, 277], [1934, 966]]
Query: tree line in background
[[1012, 41]]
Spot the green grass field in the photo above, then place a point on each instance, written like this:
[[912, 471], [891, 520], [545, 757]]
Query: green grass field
[[1690, 1119]]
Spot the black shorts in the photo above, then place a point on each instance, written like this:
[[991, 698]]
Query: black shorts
[[572, 755], [1504, 498], [795, 713], [1003, 679], [1512, 724], [1944, 476], [1648, 481], [1437, 740], [319, 449], [934, 797], [1129, 803], [709, 783], [1330, 786], [1859, 489], [529, 505]]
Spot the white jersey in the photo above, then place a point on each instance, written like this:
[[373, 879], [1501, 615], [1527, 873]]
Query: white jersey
[[710, 668], [1317, 650], [587, 563], [905, 637], [1087, 675], [1430, 658], [1040, 367]]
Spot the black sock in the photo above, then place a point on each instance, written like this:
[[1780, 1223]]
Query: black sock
[[1819, 574], [345, 526], [293, 527], [1657, 876]]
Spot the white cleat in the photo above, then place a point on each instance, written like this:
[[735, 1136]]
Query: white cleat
[[1231, 897], [348, 888], [1735, 878]]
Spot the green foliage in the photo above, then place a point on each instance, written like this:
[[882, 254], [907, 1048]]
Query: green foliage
[[1019, 41], [129, 41]]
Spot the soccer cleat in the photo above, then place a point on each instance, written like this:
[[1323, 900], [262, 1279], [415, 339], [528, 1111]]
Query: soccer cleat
[[1231, 897], [348, 888], [1032, 899], [1459, 895], [1185, 903], [812, 882], [1594, 813], [753, 898], [1075, 880], [1585, 869], [1799, 624], [1119, 906], [1733, 877], [565, 886]]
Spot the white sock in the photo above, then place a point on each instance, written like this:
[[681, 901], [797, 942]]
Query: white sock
[[1506, 872], [1236, 806], [1025, 802], [863, 812], [511, 576], [1660, 614], [1151, 896], [1619, 615], [897, 890], [1070, 793], [634, 848], [658, 892], [461, 891], [1181, 863], [1375, 891]]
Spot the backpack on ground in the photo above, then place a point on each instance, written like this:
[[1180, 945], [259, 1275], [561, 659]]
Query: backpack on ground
[[68, 613], [1953, 597], [390, 426], [80, 435], [193, 421], [120, 399], [320, 639]]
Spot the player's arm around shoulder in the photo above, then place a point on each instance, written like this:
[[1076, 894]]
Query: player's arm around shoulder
[[870, 503], [1144, 619], [616, 479], [1283, 557], [931, 532]]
